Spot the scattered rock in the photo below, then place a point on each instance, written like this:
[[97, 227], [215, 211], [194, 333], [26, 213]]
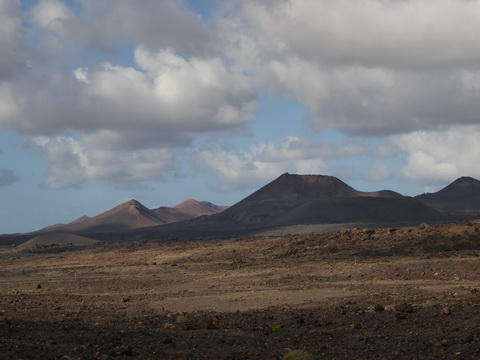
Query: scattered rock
[[214, 323], [378, 308], [467, 339], [404, 308], [439, 343], [125, 350]]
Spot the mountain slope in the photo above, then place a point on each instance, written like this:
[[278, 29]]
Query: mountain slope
[[58, 239], [187, 210], [290, 191], [307, 199], [461, 197], [132, 214]]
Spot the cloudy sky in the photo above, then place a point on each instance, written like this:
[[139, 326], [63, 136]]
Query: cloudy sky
[[163, 100]]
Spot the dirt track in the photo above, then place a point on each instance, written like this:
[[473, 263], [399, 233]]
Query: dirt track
[[354, 294]]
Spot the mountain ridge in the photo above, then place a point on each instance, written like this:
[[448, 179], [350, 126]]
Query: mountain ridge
[[288, 199], [132, 214]]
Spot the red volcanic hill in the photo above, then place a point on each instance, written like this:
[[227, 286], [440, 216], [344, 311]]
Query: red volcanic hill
[[132, 214], [188, 209]]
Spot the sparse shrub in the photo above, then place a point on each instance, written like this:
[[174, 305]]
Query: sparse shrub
[[181, 319], [277, 329], [297, 355]]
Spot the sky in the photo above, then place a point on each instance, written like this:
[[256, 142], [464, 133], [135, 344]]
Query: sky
[[103, 101]]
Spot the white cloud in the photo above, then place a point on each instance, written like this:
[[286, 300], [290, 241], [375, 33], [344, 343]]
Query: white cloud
[[264, 162], [365, 68], [71, 163], [441, 156], [50, 15]]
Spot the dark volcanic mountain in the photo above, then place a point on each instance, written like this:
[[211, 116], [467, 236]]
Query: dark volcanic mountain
[[461, 198], [309, 199]]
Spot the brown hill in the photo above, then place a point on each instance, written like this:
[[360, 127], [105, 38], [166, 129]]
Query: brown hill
[[188, 209], [461, 198], [57, 239], [132, 214]]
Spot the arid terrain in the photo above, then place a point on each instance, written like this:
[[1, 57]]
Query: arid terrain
[[405, 293]]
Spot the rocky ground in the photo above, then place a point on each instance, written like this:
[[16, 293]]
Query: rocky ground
[[406, 293]]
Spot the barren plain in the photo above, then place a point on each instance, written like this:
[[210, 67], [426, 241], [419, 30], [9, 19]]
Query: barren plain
[[394, 293]]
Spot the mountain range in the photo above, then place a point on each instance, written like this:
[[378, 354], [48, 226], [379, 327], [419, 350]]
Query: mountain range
[[288, 200], [132, 215]]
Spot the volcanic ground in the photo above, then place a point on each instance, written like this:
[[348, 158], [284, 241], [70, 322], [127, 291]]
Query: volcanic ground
[[392, 293]]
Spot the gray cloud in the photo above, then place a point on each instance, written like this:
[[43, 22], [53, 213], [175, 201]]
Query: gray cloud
[[102, 26], [7, 177], [366, 68]]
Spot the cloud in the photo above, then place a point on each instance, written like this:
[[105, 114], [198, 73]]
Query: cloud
[[441, 156], [102, 26], [367, 67], [12, 56], [377, 173], [50, 15], [104, 89], [92, 115], [7, 177], [261, 163], [71, 163]]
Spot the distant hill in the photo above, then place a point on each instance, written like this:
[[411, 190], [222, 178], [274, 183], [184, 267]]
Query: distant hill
[[131, 215], [324, 199], [188, 209], [461, 198], [57, 239], [288, 200], [308, 199]]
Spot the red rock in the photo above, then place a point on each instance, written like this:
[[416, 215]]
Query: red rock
[[214, 323], [125, 350], [467, 339], [438, 343], [446, 311]]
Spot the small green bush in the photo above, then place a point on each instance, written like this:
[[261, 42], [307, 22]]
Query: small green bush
[[297, 355], [277, 328]]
